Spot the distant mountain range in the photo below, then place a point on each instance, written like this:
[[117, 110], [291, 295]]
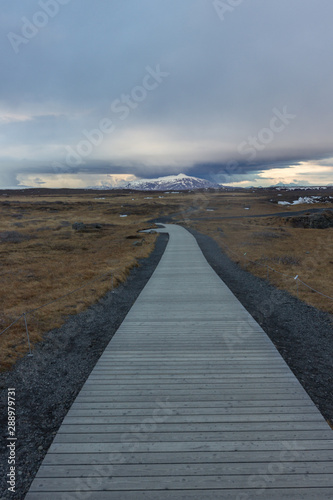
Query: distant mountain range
[[180, 182], [297, 187]]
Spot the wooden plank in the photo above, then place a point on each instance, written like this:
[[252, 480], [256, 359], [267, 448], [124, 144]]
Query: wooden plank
[[256, 414], [134, 436], [154, 425], [185, 469], [178, 398], [175, 406], [182, 457], [206, 494], [222, 386], [74, 418], [173, 379], [219, 392], [160, 483], [193, 446]]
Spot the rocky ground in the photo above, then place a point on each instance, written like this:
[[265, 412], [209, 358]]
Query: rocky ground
[[47, 383], [321, 220]]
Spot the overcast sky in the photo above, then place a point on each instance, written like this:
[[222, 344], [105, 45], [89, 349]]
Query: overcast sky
[[233, 91]]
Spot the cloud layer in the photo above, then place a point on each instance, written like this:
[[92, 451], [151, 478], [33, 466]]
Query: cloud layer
[[153, 88]]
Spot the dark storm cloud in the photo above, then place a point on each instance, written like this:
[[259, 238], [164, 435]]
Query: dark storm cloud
[[98, 167], [223, 171], [64, 62]]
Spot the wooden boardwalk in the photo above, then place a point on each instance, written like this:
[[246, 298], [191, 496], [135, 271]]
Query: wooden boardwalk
[[190, 400]]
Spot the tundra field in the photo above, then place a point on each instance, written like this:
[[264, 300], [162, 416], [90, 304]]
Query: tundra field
[[45, 253]]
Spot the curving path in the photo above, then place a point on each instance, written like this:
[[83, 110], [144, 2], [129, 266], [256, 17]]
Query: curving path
[[190, 400]]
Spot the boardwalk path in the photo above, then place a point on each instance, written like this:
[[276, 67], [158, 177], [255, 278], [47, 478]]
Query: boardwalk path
[[190, 400]]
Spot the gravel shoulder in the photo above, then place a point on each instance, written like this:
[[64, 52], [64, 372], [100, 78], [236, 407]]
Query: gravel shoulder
[[47, 384]]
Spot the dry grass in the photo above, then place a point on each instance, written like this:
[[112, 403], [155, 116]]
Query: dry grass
[[54, 259], [256, 243]]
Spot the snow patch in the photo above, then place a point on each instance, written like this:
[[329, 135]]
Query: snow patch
[[306, 200]]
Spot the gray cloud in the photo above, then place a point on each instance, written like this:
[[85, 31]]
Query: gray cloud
[[225, 79]]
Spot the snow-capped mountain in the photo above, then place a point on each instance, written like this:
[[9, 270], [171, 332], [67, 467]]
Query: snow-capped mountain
[[180, 182]]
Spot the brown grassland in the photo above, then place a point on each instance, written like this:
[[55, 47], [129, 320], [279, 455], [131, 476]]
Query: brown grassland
[[49, 258], [255, 243]]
